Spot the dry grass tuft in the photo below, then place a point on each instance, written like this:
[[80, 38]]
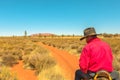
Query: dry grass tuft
[[53, 73], [5, 74]]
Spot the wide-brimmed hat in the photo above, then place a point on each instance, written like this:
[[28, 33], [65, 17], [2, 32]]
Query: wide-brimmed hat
[[88, 32]]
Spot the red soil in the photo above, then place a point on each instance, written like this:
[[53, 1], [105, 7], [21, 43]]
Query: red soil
[[23, 74], [68, 62]]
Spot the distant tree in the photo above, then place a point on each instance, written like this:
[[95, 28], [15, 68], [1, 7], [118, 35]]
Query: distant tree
[[116, 35], [25, 33], [62, 35], [73, 35]]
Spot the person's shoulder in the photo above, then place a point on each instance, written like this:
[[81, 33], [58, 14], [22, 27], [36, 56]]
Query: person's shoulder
[[87, 46]]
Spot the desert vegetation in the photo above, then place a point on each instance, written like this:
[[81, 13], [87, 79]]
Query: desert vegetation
[[114, 43], [71, 45], [35, 57], [6, 74], [74, 46]]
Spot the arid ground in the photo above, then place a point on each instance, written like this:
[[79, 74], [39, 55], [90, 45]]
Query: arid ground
[[67, 62]]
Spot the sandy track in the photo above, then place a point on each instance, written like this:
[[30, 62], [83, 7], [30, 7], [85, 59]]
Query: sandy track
[[23, 74], [68, 62]]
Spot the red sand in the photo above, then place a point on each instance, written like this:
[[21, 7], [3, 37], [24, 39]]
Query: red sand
[[23, 74], [66, 61]]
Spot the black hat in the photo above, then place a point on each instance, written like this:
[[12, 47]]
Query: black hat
[[88, 32]]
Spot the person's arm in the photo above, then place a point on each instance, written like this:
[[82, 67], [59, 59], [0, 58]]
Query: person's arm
[[84, 60]]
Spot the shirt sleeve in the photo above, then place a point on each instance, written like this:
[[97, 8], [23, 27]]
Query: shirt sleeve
[[84, 60]]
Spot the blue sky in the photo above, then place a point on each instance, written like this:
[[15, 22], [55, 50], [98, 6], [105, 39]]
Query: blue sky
[[58, 16]]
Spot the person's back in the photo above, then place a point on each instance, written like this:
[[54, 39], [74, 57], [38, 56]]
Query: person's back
[[95, 56], [99, 56]]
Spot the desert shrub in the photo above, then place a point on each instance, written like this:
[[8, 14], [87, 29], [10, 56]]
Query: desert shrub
[[114, 43], [44, 63], [11, 50], [29, 47], [52, 73], [116, 62], [25, 60], [39, 59], [5, 74], [16, 53], [79, 50], [63, 46], [116, 49], [74, 46], [9, 60]]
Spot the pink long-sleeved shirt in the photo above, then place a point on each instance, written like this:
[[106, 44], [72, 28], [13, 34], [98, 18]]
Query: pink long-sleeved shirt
[[95, 56]]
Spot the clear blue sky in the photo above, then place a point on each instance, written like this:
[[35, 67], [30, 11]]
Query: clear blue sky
[[58, 16]]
